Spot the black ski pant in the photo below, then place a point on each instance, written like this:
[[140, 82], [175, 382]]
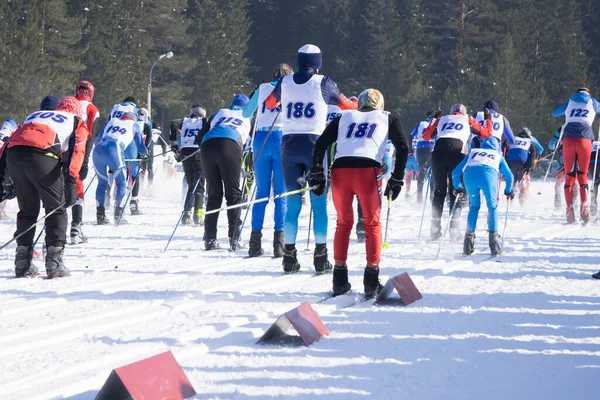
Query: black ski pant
[[36, 177], [148, 163], [442, 164], [222, 163], [423, 155], [192, 168], [516, 167]]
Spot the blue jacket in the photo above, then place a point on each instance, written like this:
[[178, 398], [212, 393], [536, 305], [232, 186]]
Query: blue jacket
[[576, 129]]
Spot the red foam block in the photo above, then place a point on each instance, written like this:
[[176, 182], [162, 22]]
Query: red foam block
[[303, 319], [406, 288]]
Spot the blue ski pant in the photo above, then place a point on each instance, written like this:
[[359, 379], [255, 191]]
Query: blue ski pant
[[108, 155], [296, 158], [477, 180], [267, 169]]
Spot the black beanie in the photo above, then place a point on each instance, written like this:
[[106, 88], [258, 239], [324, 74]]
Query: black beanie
[[49, 103]]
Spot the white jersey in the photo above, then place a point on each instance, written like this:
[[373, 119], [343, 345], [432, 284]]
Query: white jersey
[[303, 108], [362, 134], [488, 157], [121, 131], [265, 117], [119, 109], [332, 113], [60, 122], [522, 143], [583, 113], [156, 134], [232, 119], [497, 123], [422, 126], [454, 127], [190, 128]]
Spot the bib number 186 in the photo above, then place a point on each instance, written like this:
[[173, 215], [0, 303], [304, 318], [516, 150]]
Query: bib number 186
[[299, 110]]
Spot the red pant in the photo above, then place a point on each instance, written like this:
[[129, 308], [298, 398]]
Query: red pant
[[576, 150], [365, 183]]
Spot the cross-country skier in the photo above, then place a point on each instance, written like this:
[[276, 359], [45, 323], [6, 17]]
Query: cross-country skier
[[412, 168], [267, 164], [579, 111], [7, 129], [153, 137], [44, 157], [361, 137], [560, 172], [222, 140], [451, 133], [109, 155], [423, 155], [304, 97], [183, 142], [84, 92], [479, 170], [132, 154], [500, 126], [521, 157]]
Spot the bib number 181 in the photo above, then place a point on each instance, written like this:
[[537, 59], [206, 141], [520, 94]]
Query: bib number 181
[[361, 130]]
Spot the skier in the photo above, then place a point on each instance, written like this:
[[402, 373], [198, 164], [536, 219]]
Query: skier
[[222, 139], [423, 155], [8, 127], [361, 137], [480, 170], [452, 133], [579, 111], [132, 154], [154, 136], [304, 97], [109, 155], [500, 126], [183, 135], [560, 172], [521, 156], [84, 93], [41, 170], [267, 164], [412, 168]]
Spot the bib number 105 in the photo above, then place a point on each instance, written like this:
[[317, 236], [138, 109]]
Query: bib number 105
[[299, 110], [361, 130]]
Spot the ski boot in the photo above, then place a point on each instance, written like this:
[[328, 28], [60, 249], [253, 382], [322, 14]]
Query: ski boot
[[361, 235], [495, 244], [254, 247], [187, 218], [320, 261], [133, 207], [570, 214], [101, 216], [23, 265], [469, 243], [55, 268], [278, 244], [290, 261], [198, 214], [77, 235], [211, 244], [119, 220], [585, 212], [371, 282], [596, 275], [340, 280], [436, 229]]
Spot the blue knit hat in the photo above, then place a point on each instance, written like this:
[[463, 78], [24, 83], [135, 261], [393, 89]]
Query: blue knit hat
[[49, 103], [309, 56], [490, 143], [239, 100], [491, 105]]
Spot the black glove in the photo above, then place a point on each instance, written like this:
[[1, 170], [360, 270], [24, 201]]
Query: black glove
[[458, 191], [83, 172], [317, 180], [393, 187], [70, 190], [486, 114], [438, 114], [510, 194], [8, 189]]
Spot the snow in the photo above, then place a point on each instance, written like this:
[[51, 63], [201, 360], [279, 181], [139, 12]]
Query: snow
[[526, 327]]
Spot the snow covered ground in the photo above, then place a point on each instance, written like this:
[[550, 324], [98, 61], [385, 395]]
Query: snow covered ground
[[527, 327]]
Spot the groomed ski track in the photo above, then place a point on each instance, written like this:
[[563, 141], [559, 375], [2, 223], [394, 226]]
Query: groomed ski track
[[525, 325]]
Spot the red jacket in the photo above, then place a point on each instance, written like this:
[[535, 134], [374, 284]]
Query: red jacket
[[90, 114], [59, 133]]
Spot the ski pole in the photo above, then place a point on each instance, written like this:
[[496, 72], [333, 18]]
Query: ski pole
[[504, 229], [147, 158], [425, 200], [260, 149], [127, 199], [310, 217], [237, 239], [275, 197], [187, 203], [448, 224], [562, 129], [385, 245], [32, 226], [595, 162]]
